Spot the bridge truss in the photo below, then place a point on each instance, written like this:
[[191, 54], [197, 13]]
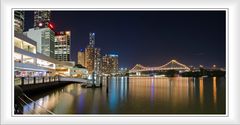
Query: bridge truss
[[172, 65]]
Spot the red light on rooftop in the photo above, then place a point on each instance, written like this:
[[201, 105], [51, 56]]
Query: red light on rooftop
[[51, 26]]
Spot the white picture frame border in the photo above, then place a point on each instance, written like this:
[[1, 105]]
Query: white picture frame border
[[232, 61]]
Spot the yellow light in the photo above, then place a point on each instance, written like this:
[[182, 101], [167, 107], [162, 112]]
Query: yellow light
[[67, 32]]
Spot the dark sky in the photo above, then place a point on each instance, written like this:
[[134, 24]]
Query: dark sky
[[150, 38]]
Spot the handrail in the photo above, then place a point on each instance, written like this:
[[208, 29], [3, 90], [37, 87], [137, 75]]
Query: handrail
[[25, 103], [38, 104], [48, 111]]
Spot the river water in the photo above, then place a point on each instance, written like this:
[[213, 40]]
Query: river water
[[136, 95]]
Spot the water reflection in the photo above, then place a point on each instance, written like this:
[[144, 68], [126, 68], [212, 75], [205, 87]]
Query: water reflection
[[137, 95], [201, 91], [214, 91]]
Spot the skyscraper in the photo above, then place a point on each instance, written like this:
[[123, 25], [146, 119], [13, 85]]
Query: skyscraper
[[44, 38], [41, 19], [110, 64], [97, 60], [91, 39], [62, 45], [92, 55], [18, 21], [81, 58], [92, 59], [89, 56]]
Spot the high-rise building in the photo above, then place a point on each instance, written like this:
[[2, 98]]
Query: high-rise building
[[41, 19], [97, 60], [81, 57], [62, 45], [89, 56], [92, 39], [92, 55], [92, 59], [18, 21], [110, 64], [44, 38]]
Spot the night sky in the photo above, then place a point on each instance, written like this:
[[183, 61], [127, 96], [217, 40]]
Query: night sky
[[150, 38]]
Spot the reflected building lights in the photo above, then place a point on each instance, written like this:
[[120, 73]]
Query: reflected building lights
[[214, 91], [201, 91]]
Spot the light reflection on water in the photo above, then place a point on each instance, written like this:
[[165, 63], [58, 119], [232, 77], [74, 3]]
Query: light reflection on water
[[137, 95]]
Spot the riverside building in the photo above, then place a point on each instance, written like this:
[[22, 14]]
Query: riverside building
[[30, 63]]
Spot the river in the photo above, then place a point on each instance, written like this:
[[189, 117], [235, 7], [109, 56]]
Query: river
[[136, 95]]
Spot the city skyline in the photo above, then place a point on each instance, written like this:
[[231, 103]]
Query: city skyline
[[100, 83], [163, 35]]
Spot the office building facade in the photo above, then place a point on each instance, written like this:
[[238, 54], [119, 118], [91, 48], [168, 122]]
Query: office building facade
[[18, 21], [89, 58], [92, 55], [109, 64], [41, 19], [81, 58], [45, 38], [62, 45], [92, 39], [27, 61]]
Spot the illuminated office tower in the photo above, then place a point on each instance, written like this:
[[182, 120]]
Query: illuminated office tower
[[97, 60], [89, 52], [81, 57], [62, 45], [18, 21], [110, 64], [92, 59], [41, 19], [92, 55], [91, 39], [44, 38]]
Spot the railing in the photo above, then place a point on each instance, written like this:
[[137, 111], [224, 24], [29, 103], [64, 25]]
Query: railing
[[35, 80], [23, 101]]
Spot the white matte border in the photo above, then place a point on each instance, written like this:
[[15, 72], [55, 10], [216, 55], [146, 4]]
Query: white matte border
[[232, 6]]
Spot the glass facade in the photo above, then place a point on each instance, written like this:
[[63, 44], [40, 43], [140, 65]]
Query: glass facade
[[41, 19], [18, 21], [109, 64], [44, 38], [28, 59], [24, 45], [62, 46], [30, 62], [47, 46], [44, 63], [81, 58], [17, 57], [92, 39]]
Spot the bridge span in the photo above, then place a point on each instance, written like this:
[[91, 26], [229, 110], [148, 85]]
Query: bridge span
[[171, 65]]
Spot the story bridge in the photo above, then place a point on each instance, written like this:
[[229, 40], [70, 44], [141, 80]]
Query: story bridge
[[171, 65]]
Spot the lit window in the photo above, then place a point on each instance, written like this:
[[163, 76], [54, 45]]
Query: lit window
[[17, 42], [46, 64], [29, 47], [28, 59], [17, 57]]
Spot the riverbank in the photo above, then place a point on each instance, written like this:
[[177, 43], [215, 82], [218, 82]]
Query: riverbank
[[36, 88]]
